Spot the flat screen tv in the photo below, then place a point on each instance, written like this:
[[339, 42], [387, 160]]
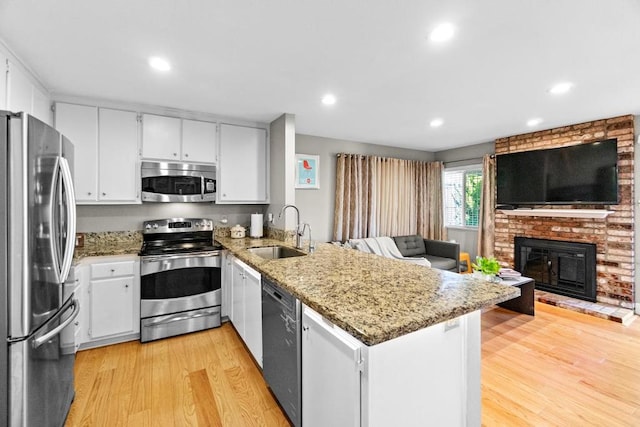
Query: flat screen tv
[[578, 174]]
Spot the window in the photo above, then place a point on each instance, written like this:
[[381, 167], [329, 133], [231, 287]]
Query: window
[[462, 188]]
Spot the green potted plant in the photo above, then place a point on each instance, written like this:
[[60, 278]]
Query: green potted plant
[[489, 267]]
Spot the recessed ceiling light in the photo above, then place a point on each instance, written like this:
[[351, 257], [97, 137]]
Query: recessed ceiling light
[[329, 99], [435, 123], [534, 122], [561, 88], [159, 64], [442, 32]]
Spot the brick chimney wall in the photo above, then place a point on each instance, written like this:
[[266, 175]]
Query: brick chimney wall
[[613, 236]]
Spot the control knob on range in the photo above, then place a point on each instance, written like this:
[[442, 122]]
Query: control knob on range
[[148, 227], [155, 226]]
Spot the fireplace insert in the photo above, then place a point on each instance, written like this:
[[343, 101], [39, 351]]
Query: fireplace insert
[[565, 268]]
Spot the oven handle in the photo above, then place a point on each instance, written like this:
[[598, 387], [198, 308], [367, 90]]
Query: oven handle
[[202, 187], [159, 264], [173, 257], [180, 317]]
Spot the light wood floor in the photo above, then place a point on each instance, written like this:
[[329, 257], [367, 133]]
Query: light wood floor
[[559, 368], [202, 379]]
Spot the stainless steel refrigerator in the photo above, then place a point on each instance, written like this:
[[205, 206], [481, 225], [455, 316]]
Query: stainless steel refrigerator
[[37, 240]]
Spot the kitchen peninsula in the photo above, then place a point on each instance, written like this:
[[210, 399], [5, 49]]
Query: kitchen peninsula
[[418, 329]]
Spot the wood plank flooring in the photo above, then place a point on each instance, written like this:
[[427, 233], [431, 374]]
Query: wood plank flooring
[[559, 368], [202, 379]]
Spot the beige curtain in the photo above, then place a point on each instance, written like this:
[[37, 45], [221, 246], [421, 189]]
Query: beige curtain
[[352, 198], [486, 220], [378, 196], [430, 201]]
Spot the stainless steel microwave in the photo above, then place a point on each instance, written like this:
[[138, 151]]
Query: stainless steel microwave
[[178, 182]]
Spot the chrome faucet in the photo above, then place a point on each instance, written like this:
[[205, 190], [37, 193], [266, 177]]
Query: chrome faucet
[[298, 234], [311, 245]]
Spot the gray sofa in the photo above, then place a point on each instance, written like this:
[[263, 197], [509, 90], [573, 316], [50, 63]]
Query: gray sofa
[[441, 254]]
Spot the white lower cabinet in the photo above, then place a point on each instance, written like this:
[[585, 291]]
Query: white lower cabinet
[[110, 300], [427, 377], [330, 374], [246, 307]]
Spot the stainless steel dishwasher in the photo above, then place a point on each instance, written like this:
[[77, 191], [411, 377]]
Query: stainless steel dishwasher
[[281, 348]]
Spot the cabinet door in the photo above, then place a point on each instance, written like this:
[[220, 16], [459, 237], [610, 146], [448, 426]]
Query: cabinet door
[[79, 123], [198, 141], [118, 154], [237, 302], [41, 106], [160, 137], [112, 307], [3, 82], [330, 374], [19, 90], [243, 165], [253, 313]]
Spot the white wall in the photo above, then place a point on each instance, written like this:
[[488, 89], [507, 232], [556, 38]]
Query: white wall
[[282, 136], [317, 206]]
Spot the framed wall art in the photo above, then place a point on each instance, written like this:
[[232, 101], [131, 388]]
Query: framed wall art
[[307, 167]]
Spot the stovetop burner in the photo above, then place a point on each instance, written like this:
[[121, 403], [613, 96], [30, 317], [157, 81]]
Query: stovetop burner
[[178, 236]]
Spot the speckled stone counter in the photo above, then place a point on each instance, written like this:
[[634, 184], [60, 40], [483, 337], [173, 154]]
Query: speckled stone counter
[[373, 298], [109, 243]]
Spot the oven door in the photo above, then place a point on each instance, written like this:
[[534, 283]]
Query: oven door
[[177, 283]]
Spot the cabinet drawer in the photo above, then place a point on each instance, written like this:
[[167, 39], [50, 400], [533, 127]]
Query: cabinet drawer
[[112, 269]]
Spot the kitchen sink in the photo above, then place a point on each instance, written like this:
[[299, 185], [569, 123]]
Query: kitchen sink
[[276, 252]]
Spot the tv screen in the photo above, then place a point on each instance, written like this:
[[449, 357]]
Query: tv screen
[[579, 174]]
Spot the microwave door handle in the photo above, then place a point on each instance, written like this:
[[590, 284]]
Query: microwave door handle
[[202, 187], [70, 197]]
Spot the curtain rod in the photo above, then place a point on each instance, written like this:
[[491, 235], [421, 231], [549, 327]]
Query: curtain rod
[[467, 161]]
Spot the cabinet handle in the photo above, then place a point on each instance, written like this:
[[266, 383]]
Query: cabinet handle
[[186, 155], [175, 154], [89, 193], [126, 286], [305, 328], [104, 194], [112, 270]]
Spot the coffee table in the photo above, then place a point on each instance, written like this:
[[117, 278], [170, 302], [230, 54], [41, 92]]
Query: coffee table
[[525, 302]]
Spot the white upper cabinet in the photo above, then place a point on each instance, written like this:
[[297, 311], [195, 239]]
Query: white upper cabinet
[[118, 155], [3, 82], [19, 90], [106, 152], [79, 123], [242, 174], [199, 141], [23, 95], [160, 137], [169, 138]]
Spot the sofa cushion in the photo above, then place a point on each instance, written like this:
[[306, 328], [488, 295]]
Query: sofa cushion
[[410, 245], [442, 263]]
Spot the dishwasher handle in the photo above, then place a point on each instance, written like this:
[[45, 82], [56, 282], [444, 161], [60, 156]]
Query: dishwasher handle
[[269, 290]]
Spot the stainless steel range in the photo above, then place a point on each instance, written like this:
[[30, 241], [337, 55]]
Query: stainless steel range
[[180, 274]]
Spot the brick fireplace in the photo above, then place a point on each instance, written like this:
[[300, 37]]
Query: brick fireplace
[[613, 235]]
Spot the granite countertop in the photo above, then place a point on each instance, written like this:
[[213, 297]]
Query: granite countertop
[[373, 298], [109, 243]]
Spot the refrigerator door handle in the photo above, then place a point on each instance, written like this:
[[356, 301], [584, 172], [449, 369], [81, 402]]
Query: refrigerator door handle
[[53, 241], [67, 181], [46, 337]]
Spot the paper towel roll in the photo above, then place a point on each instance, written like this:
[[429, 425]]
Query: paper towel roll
[[256, 225]]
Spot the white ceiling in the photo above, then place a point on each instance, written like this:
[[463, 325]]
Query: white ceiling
[[256, 59]]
